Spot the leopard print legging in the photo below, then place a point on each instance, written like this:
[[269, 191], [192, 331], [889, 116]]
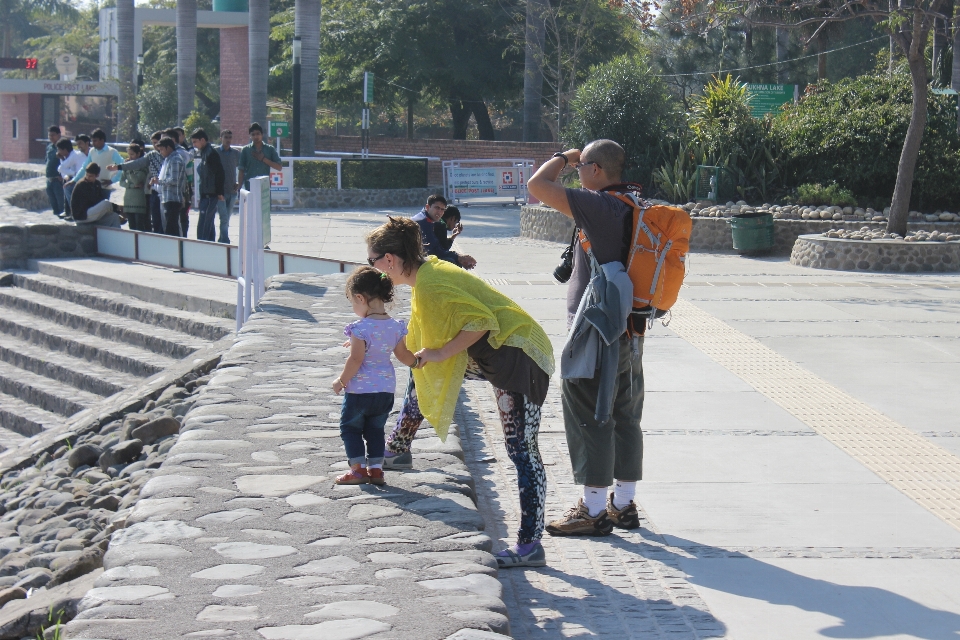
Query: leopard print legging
[[520, 419]]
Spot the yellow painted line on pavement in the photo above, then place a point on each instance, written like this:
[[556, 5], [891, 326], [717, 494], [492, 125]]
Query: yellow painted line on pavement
[[921, 470]]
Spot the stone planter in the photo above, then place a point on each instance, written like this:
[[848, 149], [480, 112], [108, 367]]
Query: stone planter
[[894, 256], [711, 234]]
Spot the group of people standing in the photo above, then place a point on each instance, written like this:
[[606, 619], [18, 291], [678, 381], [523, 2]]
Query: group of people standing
[[462, 328], [159, 184]]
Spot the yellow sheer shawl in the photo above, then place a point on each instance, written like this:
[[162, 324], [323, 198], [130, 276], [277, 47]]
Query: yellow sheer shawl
[[446, 300]]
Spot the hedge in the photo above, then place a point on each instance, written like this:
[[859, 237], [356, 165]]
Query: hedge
[[374, 173]]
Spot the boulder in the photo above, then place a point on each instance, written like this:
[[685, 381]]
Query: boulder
[[132, 421], [11, 593], [88, 561], [152, 431], [85, 454], [120, 454]]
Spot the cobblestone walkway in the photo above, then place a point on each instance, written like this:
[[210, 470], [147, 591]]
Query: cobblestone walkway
[[627, 585]]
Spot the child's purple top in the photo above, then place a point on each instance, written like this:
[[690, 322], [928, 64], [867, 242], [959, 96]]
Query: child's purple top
[[381, 337]]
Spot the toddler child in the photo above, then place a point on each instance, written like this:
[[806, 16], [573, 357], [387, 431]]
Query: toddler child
[[368, 377]]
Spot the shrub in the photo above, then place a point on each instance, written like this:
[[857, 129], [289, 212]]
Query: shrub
[[817, 194], [852, 133], [198, 120], [723, 134], [625, 102]]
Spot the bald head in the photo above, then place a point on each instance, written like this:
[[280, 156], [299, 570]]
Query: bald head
[[609, 155]]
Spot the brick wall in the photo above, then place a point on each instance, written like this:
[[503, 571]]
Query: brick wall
[[235, 83], [442, 148], [15, 105]]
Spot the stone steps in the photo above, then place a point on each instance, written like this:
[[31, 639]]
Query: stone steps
[[186, 322], [48, 394], [82, 374], [19, 418], [121, 357], [116, 328]]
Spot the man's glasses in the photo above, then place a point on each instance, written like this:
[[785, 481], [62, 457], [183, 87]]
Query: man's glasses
[[372, 261], [581, 165]]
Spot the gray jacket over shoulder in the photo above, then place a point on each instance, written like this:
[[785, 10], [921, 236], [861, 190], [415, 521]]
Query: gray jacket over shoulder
[[594, 339]]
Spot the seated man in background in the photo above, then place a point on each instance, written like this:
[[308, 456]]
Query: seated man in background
[[90, 203], [450, 221], [430, 215]]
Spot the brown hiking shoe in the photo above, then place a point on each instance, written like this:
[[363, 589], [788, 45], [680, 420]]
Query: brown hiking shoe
[[577, 522], [626, 518]]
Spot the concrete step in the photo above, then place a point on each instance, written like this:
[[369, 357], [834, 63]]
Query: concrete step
[[116, 328], [120, 357], [48, 394], [19, 418], [82, 374], [209, 295], [191, 323]]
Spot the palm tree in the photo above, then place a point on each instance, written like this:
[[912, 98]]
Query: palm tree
[[259, 34], [127, 116], [307, 26], [186, 57], [15, 16]]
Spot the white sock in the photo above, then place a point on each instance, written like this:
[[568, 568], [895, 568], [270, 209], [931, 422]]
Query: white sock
[[623, 493], [595, 499]]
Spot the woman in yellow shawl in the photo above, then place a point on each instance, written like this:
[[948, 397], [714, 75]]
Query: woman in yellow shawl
[[460, 326]]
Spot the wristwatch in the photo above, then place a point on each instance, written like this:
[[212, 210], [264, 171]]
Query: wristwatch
[[560, 154]]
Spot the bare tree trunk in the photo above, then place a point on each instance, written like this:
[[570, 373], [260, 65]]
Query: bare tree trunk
[[461, 118], [900, 207], [783, 43], [307, 25], [482, 117], [939, 44], [532, 72], [410, 102], [955, 76], [127, 104], [186, 57], [821, 58], [259, 47]]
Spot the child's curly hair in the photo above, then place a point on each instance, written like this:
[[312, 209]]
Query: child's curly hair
[[371, 284]]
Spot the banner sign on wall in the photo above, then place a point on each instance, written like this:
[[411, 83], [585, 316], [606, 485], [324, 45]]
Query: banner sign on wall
[[281, 185]]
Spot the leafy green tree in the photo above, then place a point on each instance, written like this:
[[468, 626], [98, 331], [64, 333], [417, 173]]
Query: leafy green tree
[[851, 132], [624, 101], [24, 19], [454, 52]]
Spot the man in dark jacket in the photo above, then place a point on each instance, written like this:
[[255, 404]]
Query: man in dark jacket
[[54, 180], [430, 215], [89, 194], [210, 171]]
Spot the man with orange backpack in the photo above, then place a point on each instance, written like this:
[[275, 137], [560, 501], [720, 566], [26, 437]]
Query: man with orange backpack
[[620, 234]]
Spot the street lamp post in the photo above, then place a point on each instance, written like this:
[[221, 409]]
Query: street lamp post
[[295, 134], [139, 72]]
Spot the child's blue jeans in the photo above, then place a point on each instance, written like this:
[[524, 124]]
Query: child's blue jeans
[[362, 417]]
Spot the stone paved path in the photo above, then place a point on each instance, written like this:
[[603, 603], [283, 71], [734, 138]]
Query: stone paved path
[[242, 533]]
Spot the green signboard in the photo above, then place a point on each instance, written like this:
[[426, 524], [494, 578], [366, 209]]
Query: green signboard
[[367, 87], [279, 129], [768, 98]]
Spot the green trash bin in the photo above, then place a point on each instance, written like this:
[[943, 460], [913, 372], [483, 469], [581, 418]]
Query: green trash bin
[[752, 232]]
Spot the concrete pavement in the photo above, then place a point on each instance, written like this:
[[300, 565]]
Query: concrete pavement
[[764, 517]]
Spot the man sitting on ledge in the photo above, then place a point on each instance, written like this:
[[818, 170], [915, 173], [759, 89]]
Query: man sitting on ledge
[[89, 202]]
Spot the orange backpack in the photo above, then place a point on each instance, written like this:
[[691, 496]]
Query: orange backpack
[[656, 259]]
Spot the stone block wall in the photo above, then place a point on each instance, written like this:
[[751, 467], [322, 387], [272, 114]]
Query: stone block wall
[[29, 231], [360, 198], [895, 256]]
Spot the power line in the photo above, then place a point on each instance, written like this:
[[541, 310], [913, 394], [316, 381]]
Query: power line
[[768, 64]]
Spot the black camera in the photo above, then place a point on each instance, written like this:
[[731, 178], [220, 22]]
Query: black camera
[[565, 269]]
